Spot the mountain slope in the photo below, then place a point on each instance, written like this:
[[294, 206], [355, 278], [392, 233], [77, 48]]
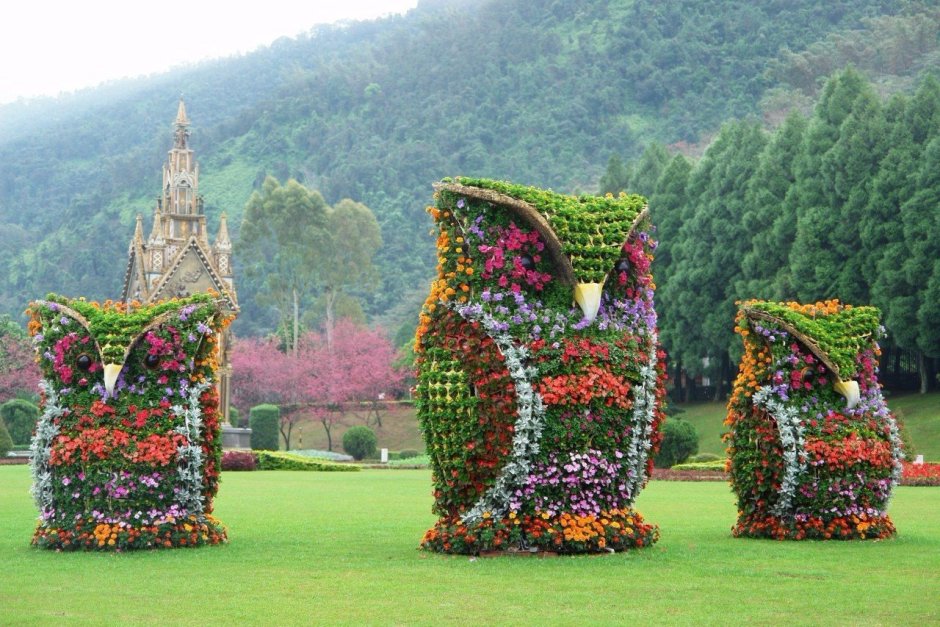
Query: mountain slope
[[541, 92]]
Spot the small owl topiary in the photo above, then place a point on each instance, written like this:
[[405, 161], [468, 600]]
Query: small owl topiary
[[814, 450], [126, 454], [540, 377]]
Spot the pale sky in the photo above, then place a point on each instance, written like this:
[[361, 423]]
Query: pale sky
[[49, 47]]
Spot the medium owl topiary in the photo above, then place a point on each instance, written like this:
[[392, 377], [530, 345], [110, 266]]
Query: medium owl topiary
[[814, 450], [540, 379], [126, 454]]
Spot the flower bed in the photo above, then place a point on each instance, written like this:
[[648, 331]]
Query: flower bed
[[921, 474], [126, 454], [540, 419], [814, 450]]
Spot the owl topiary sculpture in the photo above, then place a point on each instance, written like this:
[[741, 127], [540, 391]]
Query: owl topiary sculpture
[[814, 450], [540, 415], [126, 454]]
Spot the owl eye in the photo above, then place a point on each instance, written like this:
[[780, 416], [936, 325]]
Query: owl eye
[[526, 261], [84, 362], [623, 265], [151, 361]]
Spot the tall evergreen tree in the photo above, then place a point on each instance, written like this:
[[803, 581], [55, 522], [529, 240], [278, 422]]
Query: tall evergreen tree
[[770, 218], [707, 257], [616, 178], [668, 203], [648, 169], [822, 189], [921, 222], [898, 283]]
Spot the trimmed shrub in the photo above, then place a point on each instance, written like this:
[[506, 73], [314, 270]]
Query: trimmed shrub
[[408, 453], [264, 420], [268, 460], [20, 417], [717, 465], [234, 417], [330, 455], [239, 460], [360, 442], [679, 441], [705, 457], [6, 442]]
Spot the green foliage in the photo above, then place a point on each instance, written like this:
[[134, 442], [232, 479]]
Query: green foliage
[[617, 177], [407, 453], [20, 417], [234, 417], [679, 441], [281, 232], [713, 465], [591, 229], [268, 460], [839, 335], [704, 457], [360, 442], [706, 259], [538, 92], [264, 421], [6, 442]]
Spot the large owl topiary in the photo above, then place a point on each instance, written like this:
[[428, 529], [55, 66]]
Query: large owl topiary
[[126, 454], [814, 450], [540, 415]]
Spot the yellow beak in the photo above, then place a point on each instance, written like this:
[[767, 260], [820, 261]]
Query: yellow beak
[[848, 389], [588, 297], [111, 372]]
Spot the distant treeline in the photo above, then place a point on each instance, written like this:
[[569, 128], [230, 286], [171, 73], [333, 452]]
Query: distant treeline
[[844, 204], [539, 92]]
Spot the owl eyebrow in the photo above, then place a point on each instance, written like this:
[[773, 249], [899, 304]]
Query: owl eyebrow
[[530, 215], [77, 317], [756, 314]]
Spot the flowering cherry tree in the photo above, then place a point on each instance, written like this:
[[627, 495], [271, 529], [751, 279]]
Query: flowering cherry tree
[[18, 369], [322, 379]]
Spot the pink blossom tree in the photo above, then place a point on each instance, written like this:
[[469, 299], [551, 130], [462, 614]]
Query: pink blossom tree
[[261, 373], [18, 369], [325, 378], [356, 368]]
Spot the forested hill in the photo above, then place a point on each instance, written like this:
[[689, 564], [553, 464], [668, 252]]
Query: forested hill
[[542, 92]]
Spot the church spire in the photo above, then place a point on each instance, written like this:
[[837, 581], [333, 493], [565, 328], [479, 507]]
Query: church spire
[[139, 230], [222, 241], [181, 134]]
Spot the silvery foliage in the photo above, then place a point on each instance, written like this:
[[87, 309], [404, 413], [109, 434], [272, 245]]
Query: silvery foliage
[[791, 431], [41, 447], [644, 414], [528, 428], [189, 455]]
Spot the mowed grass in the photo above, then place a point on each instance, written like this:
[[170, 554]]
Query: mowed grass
[[340, 548], [919, 413]]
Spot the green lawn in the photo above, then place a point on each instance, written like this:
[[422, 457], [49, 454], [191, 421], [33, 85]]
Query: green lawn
[[708, 419], [920, 414], [327, 548]]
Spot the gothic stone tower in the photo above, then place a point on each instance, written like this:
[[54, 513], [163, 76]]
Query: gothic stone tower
[[177, 259]]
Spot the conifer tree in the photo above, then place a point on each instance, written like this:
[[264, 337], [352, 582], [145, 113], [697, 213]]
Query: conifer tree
[[770, 217], [707, 257], [814, 263]]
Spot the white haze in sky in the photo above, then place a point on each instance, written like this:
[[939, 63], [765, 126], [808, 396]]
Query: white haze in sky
[[48, 47]]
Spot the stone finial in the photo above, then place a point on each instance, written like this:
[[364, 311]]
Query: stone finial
[[222, 240]]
